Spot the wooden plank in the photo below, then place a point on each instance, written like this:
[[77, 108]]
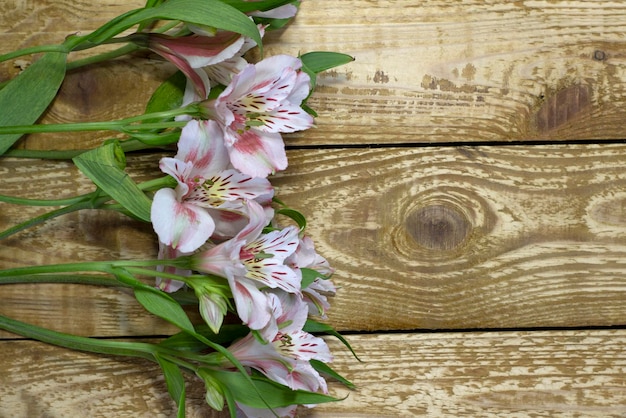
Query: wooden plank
[[451, 238], [547, 373], [435, 71]]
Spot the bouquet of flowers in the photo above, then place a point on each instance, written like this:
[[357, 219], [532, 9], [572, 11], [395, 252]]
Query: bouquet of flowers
[[226, 243]]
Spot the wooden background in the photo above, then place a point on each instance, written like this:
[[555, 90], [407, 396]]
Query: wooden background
[[466, 179]]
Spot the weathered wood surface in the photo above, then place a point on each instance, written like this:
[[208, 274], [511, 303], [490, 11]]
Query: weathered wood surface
[[453, 237], [438, 237], [548, 373], [425, 71]]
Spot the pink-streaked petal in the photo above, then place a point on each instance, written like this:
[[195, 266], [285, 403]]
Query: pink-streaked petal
[[286, 11], [257, 153], [183, 227], [301, 345], [190, 95], [301, 89], [304, 377], [224, 71], [198, 50], [228, 223], [286, 118], [270, 273], [282, 61], [202, 144], [197, 76], [281, 244], [229, 186], [257, 221], [239, 86], [221, 260], [252, 305], [178, 169]]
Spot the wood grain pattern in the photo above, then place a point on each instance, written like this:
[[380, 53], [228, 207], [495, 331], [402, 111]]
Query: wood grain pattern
[[454, 238], [440, 70], [549, 373], [428, 71], [423, 238]]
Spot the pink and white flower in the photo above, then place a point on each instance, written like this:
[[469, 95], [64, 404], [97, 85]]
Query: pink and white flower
[[180, 216], [252, 261], [284, 356], [191, 53], [261, 102], [316, 293]]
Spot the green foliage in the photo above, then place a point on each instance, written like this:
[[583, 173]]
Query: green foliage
[[175, 383], [27, 96], [212, 13], [168, 96], [104, 166], [270, 394]]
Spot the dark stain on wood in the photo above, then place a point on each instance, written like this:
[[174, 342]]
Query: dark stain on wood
[[438, 227], [563, 106]]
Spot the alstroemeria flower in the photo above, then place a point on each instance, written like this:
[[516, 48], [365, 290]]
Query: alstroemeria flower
[[285, 356], [315, 294], [191, 53], [180, 216], [251, 261], [259, 104]]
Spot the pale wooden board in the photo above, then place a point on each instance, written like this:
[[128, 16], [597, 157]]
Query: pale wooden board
[[542, 373], [451, 238], [425, 71]]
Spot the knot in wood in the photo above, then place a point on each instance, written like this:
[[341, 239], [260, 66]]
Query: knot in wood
[[438, 227]]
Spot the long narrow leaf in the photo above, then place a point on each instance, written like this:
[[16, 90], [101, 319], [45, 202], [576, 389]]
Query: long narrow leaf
[[26, 97], [165, 307], [213, 13], [102, 166], [319, 61], [314, 326], [175, 383], [274, 395]]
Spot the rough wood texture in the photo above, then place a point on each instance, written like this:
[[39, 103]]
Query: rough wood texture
[[481, 237], [552, 373], [425, 71], [437, 237]]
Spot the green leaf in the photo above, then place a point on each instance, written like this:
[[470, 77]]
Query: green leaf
[[213, 13], [104, 166], [183, 341], [319, 61], [163, 306], [327, 370], [295, 215], [26, 97], [309, 276], [274, 394], [175, 383], [168, 96], [317, 327]]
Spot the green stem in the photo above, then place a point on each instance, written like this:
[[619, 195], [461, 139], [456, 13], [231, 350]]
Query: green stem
[[50, 215], [74, 342], [122, 125], [129, 145], [93, 266], [93, 280], [105, 56], [44, 202], [33, 50]]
